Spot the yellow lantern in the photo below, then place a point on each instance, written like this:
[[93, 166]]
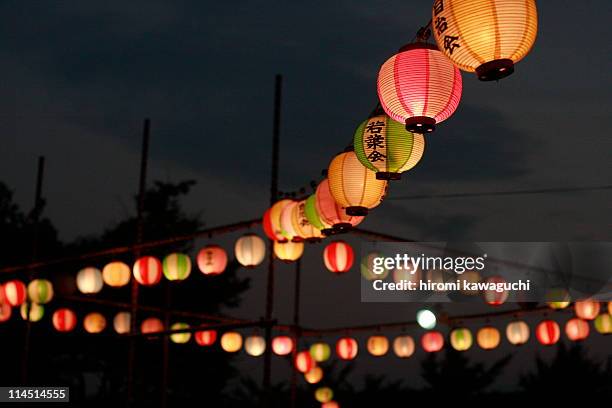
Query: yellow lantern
[[255, 345], [403, 346], [116, 274], [231, 342], [314, 376], [517, 333], [587, 309], [378, 345], [121, 322], [288, 251], [40, 291], [603, 323], [485, 36], [250, 250], [488, 338], [94, 323], [558, 298], [320, 352], [354, 186], [461, 339], [89, 280], [180, 338], [324, 394], [32, 311], [302, 226], [272, 221]]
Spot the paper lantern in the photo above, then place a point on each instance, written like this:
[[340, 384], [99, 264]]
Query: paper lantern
[[176, 267], [151, 325], [347, 348], [148, 270], [403, 346], [386, 147], [367, 267], [488, 338], [94, 323], [548, 332], [314, 376], [493, 297], [332, 215], [304, 361], [255, 345], [324, 394], [64, 320], [301, 224], [330, 404], [485, 36], [205, 338], [587, 309], [461, 339], [40, 291], [419, 87], [282, 345], [320, 352], [231, 342], [89, 280], [288, 251], [250, 250], [426, 319], [312, 213], [576, 329], [354, 186], [432, 341], [378, 345], [5, 312], [272, 221], [212, 260], [287, 225], [32, 311], [603, 323], [180, 338], [517, 333], [610, 307], [121, 322], [338, 257], [14, 292], [116, 274]]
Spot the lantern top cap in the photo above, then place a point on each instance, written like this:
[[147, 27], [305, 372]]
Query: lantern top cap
[[418, 46], [377, 111]]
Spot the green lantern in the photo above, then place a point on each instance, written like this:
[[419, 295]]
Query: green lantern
[[176, 266], [386, 147], [320, 352], [312, 214], [603, 323], [180, 338], [32, 311]]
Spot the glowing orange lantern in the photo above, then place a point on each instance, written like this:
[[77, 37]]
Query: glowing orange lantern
[[272, 221], [314, 376], [576, 329], [14, 292], [89, 280], [419, 86], [432, 341], [148, 270], [212, 260], [40, 291], [587, 309], [250, 250], [548, 332], [64, 320], [330, 404], [282, 345], [121, 322], [94, 323], [461, 339], [151, 325], [116, 274], [494, 297], [378, 345], [331, 213], [231, 342], [255, 345], [403, 346], [205, 338], [347, 348], [517, 333], [488, 338], [485, 36], [5, 311], [338, 257], [288, 251], [304, 362], [176, 267]]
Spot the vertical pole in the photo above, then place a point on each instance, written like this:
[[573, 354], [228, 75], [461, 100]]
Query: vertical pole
[[139, 237], [278, 82], [296, 330], [166, 348], [38, 204]]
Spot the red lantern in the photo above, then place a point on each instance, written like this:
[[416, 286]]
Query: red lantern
[[272, 221], [148, 270], [330, 404], [330, 212], [587, 309], [419, 86], [493, 297], [151, 325], [205, 337], [338, 257], [14, 292], [212, 260], [64, 320], [548, 332], [304, 362], [5, 311], [347, 348], [576, 329], [432, 341], [282, 345]]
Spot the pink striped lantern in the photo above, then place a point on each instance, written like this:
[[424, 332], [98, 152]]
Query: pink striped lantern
[[14, 292], [64, 320], [347, 348], [548, 332], [338, 257], [577, 329], [331, 213], [206, 338], [148, 270]]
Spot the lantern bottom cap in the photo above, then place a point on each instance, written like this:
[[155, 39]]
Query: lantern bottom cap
[[388, 175], [420, 124], [356, 211], [495, 70], [339, 228]]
